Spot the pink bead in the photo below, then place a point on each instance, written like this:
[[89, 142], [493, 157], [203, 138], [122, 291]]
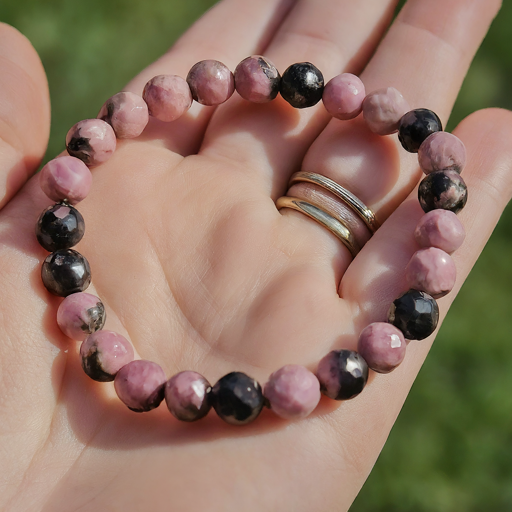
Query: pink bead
[[140, 385], [168, 97], [66, 178], [441, 151], [441, 229], [343, 96], [127, 113], [186, 395], [382, 346], [104, 353], [293, 392], [211, 82], [431, 270], [257, 79], [81, 314], [383, 109], [93, 141]]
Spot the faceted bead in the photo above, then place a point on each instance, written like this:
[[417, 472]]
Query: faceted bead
[[60, 227], [431, 270], [415, 313], [383, 109], [127, 113], [302, 85], [441, 229], [342, 374], [343, 96], [168, 97], [257, 79], [93, 141], [81, 314], [104, 353], [140, 385], [444, 190], [65, 272], [66, 178], [382, 346], [441, 151], [293, 392], [237, 398], [416, 126], [187, 395], [211, 82]]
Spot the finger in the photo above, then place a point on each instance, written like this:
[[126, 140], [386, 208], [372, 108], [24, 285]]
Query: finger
[[24, 111]]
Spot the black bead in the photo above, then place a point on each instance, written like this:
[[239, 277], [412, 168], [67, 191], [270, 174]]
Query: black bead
[[65, 272], [416, 126], [351, 372], [443, 190], [237, 398], [415, 313], [60, 227], [302, 85]]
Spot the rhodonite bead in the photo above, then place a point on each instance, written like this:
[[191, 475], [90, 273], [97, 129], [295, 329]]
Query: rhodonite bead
[[382, 346], [127, 113], [168, 97], [431, 270], [383, 109], [415, 313], [66, 178], [187, 396], [211, 82], [293, 392], [343, 96], [237, 398], [140, 385], [93, 141], [342, 374], [104, 353], [441, 151], [60, 227], [302, 85], [441, 229], [444, 190], [81, 314], [65, 272], [416, 126], [257, 79]]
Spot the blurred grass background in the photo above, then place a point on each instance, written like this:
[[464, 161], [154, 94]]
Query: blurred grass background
[[451, 448]]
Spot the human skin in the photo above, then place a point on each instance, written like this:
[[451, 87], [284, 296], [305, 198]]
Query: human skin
[[200, 271]]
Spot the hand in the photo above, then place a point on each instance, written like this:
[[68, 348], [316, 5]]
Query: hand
[[200, 271]]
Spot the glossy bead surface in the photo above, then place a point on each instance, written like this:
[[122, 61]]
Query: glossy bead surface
[[257, 79], [140, 385], [382, 346], [416, 126], [383, 109], [168, 97], [293, 392], [81, 314], [66, 178], [187, 396], [302, 85], [93, 141], [443, 190], [441, 151], [65, 272], [237, 398], [104, 353], [343, 96], [127, 113], [415, 313], [441, 229], [60, 227], [211, 82], [342, 374]]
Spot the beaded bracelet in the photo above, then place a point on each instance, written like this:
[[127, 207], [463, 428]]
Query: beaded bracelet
[[292, 391]]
